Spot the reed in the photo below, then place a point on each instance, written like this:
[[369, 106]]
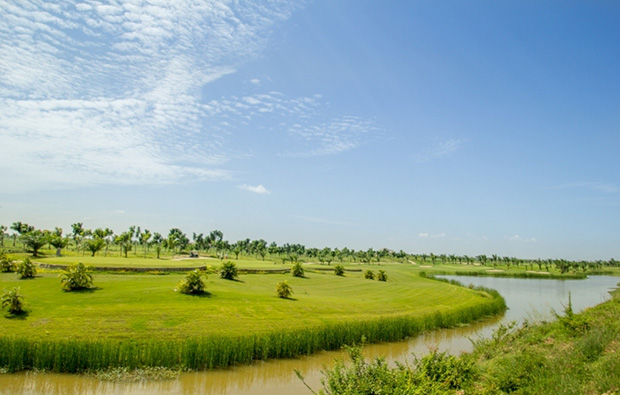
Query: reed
[[81, 355]]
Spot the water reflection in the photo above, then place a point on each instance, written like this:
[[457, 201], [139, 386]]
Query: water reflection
[[526, 299]]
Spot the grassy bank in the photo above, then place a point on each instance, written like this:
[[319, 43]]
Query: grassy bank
[[137, 320], [577, 354]]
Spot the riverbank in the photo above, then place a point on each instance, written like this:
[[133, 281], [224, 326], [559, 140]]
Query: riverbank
[[575, 354]]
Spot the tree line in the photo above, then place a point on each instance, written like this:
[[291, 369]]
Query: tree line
[[144, 241]]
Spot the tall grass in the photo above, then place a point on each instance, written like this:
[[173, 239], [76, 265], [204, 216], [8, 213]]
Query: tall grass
[[71, 355]]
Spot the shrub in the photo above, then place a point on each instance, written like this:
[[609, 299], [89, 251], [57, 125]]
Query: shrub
[[192, 283], [382, 275], [369, 274], [26, 269], [297, 270], [13, 300], [76, 278], [284, 290], [229, 271], [339, 270], [6, 264]]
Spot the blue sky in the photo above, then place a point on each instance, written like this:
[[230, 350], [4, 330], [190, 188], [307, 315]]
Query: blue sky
[[455, 127]]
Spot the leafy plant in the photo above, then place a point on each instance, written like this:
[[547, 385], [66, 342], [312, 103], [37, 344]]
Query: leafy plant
[[26, 269], [13, 300], [339, 270], [297, 270], [229, 271], [6, 264], [382, 275], [369, 274], [192, 283], [284, 290], [76, 278]]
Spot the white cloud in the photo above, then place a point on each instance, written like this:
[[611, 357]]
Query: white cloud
[[439, 149], [521, 239], [255, 81], [259, 189], [110, 93], [432, 236], [423, 234]]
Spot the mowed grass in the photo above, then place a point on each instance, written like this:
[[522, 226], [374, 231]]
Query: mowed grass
[[140, 306]]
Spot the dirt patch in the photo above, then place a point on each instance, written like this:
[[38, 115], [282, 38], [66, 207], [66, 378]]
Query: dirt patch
[[532, 271], [412, 262], [425, 266], [494, 270]]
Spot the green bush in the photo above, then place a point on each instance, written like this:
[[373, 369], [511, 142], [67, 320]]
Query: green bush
[[284, 290], [13, 300], [192, 283], [26, 269], [229, 271], [76, 278], [6, 264], [339, 270], [369, 274], [382, 275], [297, 270]]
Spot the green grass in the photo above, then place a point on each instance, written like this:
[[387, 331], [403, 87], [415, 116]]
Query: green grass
[[139, 320]]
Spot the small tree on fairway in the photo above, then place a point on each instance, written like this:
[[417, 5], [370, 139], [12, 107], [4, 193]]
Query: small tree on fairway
[[95, 245], [382, 275], [192, 283], [284, 290], [229, 271], [297, 270], [369, 274], [6, 264], [13, 300], [26, 269], [339, 270], [34, 240], [76, 278]]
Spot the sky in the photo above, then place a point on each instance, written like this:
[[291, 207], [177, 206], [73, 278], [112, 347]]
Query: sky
[[454, 127]]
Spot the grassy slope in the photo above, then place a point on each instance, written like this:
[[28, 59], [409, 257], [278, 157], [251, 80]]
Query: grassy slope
[[146, 306]]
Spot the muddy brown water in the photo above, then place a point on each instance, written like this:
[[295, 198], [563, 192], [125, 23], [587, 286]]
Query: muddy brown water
[[527, 299]]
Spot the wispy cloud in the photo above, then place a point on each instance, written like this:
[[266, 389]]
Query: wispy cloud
[[258, 189], [95, 93], [521, 239], [432, 236], [439, 149]]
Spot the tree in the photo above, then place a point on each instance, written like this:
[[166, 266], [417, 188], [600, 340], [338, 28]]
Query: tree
[[369, 274], [192, 283], [34, 240], [124, 241], [283, 290], [58, 242], [145, 236], [94, 245], [382, 275], [20, 228], [157, 241], [76, 278], [177, 240], [297, 270], [26, 269], [3, 229], [6, 264], [78, 233], [339, 270], [13, 300], [229, 271]]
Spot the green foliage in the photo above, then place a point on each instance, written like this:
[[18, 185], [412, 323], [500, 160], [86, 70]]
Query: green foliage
[[26, 269], [229, 271], [76, 278], [435, 373], [382, 275], [34, 240], [283, 290], [13, 300], [6, 264], [339, 270], [297, 270], [95, 245], [369, 274], [192, 283]]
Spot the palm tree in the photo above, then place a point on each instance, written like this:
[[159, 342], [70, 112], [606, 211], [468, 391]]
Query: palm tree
[[34, 240]]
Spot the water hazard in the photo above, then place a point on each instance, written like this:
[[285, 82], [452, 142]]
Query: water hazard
[[527, 299]]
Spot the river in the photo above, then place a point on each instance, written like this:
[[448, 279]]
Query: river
[[527, 299]]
